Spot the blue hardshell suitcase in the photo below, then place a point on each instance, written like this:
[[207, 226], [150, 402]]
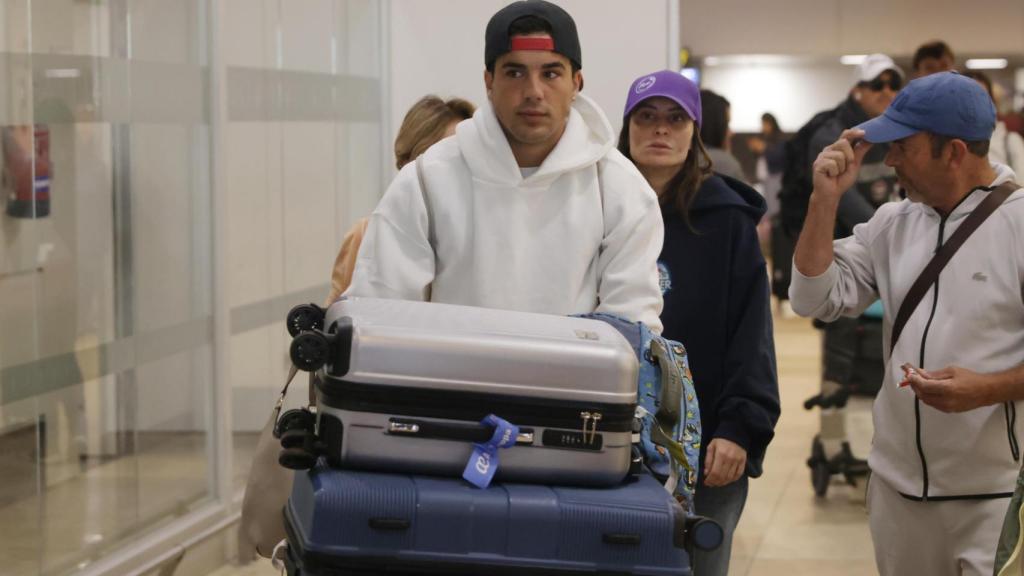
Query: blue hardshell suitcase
[[342, 522]]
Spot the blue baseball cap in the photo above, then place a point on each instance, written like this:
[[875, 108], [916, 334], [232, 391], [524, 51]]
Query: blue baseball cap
[[667, 84], [947, 104]]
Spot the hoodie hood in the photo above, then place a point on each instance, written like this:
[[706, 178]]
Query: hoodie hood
[[587, 138], [719, 192]]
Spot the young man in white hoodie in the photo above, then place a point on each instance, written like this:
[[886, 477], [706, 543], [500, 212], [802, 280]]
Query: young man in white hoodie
[[945, 454], [529, 206]]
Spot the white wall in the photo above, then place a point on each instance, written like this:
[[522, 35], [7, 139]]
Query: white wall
[[832, 27], [793, 92], [296, 178], [437, 46], [812, 34]]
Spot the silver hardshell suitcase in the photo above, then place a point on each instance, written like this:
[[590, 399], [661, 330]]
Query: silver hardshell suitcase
[[407, 384]]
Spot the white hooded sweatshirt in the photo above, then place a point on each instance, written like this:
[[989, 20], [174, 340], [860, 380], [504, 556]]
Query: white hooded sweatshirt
[[581, 234], [973, 317]]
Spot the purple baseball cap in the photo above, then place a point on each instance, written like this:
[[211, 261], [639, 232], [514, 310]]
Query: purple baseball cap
[[667, 84]]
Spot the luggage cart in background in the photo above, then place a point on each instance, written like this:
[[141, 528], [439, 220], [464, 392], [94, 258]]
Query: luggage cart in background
[[852, 366]]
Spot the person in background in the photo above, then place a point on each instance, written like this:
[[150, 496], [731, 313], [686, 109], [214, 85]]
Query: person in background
[[430, 120], [879, 79], [770, 148], [932, 57], [1015, 121], [715, 134], [1006, 147], [715, 287]]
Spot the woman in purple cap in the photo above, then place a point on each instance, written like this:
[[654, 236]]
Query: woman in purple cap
[[715, 286]]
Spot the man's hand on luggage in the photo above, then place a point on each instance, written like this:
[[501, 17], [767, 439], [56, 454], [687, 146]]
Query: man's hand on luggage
[[725, 462], [950, 389], [836, 168]]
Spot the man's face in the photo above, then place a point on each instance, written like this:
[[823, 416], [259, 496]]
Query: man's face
[[875, 96], [933, 65], [919, 173], [532, 93]]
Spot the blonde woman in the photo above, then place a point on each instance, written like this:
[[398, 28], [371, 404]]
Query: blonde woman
[[430, 120]]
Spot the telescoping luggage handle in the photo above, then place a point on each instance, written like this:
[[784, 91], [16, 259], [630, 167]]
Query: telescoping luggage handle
[[457, 431]]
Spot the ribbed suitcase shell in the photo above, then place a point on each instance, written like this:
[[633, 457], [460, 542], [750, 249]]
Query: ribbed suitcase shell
[[351, 522], [442, 363]]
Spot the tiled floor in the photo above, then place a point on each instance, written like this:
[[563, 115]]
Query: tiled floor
[[785, 529]]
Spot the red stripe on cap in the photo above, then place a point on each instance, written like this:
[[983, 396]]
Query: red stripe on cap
[[532, 43]]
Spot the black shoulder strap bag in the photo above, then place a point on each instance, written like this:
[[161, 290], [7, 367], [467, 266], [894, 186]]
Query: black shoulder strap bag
[[942, 256]]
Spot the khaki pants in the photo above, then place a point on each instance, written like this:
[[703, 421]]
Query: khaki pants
[[948, 538]]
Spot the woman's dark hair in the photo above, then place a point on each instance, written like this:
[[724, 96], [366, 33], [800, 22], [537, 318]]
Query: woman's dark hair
[[682, 188], [770, 119], [935, 50], [715, 123]]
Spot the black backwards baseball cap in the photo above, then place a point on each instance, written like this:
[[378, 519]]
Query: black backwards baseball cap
[[564, 39]]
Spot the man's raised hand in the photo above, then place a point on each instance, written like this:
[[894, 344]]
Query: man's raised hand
[[836, 168]]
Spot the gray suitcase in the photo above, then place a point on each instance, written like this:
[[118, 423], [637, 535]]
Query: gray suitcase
[[406, 385]]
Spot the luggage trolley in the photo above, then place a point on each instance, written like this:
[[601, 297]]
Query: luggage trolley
[[342, 519], [852, 366]]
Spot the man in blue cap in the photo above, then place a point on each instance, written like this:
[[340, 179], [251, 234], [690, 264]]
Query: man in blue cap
[[945, 454]]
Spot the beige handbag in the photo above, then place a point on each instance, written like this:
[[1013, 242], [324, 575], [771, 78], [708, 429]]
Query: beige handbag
[[267, 490], [269, 485]]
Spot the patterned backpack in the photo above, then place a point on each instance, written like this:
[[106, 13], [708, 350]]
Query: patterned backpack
[[666, 407]]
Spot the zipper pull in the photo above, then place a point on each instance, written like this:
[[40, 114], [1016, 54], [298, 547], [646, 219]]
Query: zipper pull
[[595, 418], [585, 416]]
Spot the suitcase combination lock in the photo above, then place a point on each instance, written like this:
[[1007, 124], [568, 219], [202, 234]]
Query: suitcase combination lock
[[590, 420]]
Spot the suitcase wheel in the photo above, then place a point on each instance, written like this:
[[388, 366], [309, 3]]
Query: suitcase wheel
[[296, 459], [294, 438], [818, 463], [704, 533], [309, 351], [296, 419], [305, 317]]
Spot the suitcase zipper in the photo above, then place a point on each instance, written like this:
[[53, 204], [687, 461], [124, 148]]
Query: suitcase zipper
[[538, 412]]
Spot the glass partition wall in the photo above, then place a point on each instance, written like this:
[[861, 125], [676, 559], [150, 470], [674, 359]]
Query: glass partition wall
[[108, 236]]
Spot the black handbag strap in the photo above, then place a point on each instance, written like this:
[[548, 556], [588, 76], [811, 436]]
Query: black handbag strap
[[942, 256]]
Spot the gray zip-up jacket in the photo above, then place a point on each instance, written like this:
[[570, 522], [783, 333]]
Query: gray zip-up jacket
[[973, 317]]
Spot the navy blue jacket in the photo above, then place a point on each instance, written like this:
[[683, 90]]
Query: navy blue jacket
[[717, 304]]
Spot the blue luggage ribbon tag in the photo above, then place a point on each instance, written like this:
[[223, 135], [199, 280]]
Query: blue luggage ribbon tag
[[483, 462]]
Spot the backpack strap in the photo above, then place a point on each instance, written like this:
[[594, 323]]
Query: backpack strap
[[668, 410], [942, 256]]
